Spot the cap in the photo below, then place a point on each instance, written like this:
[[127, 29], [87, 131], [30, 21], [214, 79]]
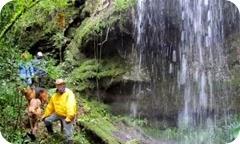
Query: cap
[[39, 54], [59, 81]]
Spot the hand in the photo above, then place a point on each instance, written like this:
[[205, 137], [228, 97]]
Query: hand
[[43, 118], [68, 121]]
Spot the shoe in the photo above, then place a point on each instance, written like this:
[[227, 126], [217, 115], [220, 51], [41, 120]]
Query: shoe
[[49, 129], [32, 136]]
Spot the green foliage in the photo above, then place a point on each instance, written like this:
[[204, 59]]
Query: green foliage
[[82, 138], [53, 71], [93, 110], [7, 13], [38, 20], [20, 8], [81, 77], [91, 6], [11, 101], [12, 110], [89, 71], [59, 40], [52, 5], [123, 5]]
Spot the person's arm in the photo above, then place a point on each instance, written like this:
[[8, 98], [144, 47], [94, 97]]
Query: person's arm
[[71, 107], [49, 109]]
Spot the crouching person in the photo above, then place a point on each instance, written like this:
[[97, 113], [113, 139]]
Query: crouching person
[[61, 107]]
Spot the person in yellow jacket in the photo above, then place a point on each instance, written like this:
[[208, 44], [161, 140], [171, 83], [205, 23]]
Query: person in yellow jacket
[[62, 106]]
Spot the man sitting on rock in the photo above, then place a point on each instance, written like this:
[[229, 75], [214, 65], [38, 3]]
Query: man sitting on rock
[[62, 106]]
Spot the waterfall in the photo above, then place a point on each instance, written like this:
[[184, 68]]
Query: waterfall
[[203, 63], [180, 44]]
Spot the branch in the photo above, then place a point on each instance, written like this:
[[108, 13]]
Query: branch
[[106, 38]]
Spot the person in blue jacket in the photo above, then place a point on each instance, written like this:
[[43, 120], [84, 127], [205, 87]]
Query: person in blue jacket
[[26, 69]]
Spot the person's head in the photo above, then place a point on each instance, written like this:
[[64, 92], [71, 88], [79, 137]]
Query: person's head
[[39, 55], [26, 56], [29, 93], [43, 96], [60, 85]]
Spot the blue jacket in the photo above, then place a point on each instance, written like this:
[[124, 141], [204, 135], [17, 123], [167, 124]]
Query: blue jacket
[[26, 72]]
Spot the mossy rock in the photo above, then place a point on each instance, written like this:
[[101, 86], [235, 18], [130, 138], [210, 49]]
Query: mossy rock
[[98, 22], [97, 120], [102, 129]]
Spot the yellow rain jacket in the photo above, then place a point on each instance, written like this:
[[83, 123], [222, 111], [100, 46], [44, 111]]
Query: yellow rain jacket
[[63, 105]]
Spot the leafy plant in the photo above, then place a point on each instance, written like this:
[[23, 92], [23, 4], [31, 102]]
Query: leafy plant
[[123, 5], [52, 70], [85, 76]]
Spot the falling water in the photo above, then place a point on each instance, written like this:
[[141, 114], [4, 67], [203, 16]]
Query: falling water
[[145, 24], [202, 59], [181, 46], [157, 36]]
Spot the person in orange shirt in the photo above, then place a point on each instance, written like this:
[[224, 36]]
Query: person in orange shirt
[[62, 106]]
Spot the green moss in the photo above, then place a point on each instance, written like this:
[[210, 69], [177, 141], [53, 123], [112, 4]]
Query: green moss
[[133, 142], [88, 29], [91, 69], [53, 71], [91, 6], [97, 120], [94, 25]]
